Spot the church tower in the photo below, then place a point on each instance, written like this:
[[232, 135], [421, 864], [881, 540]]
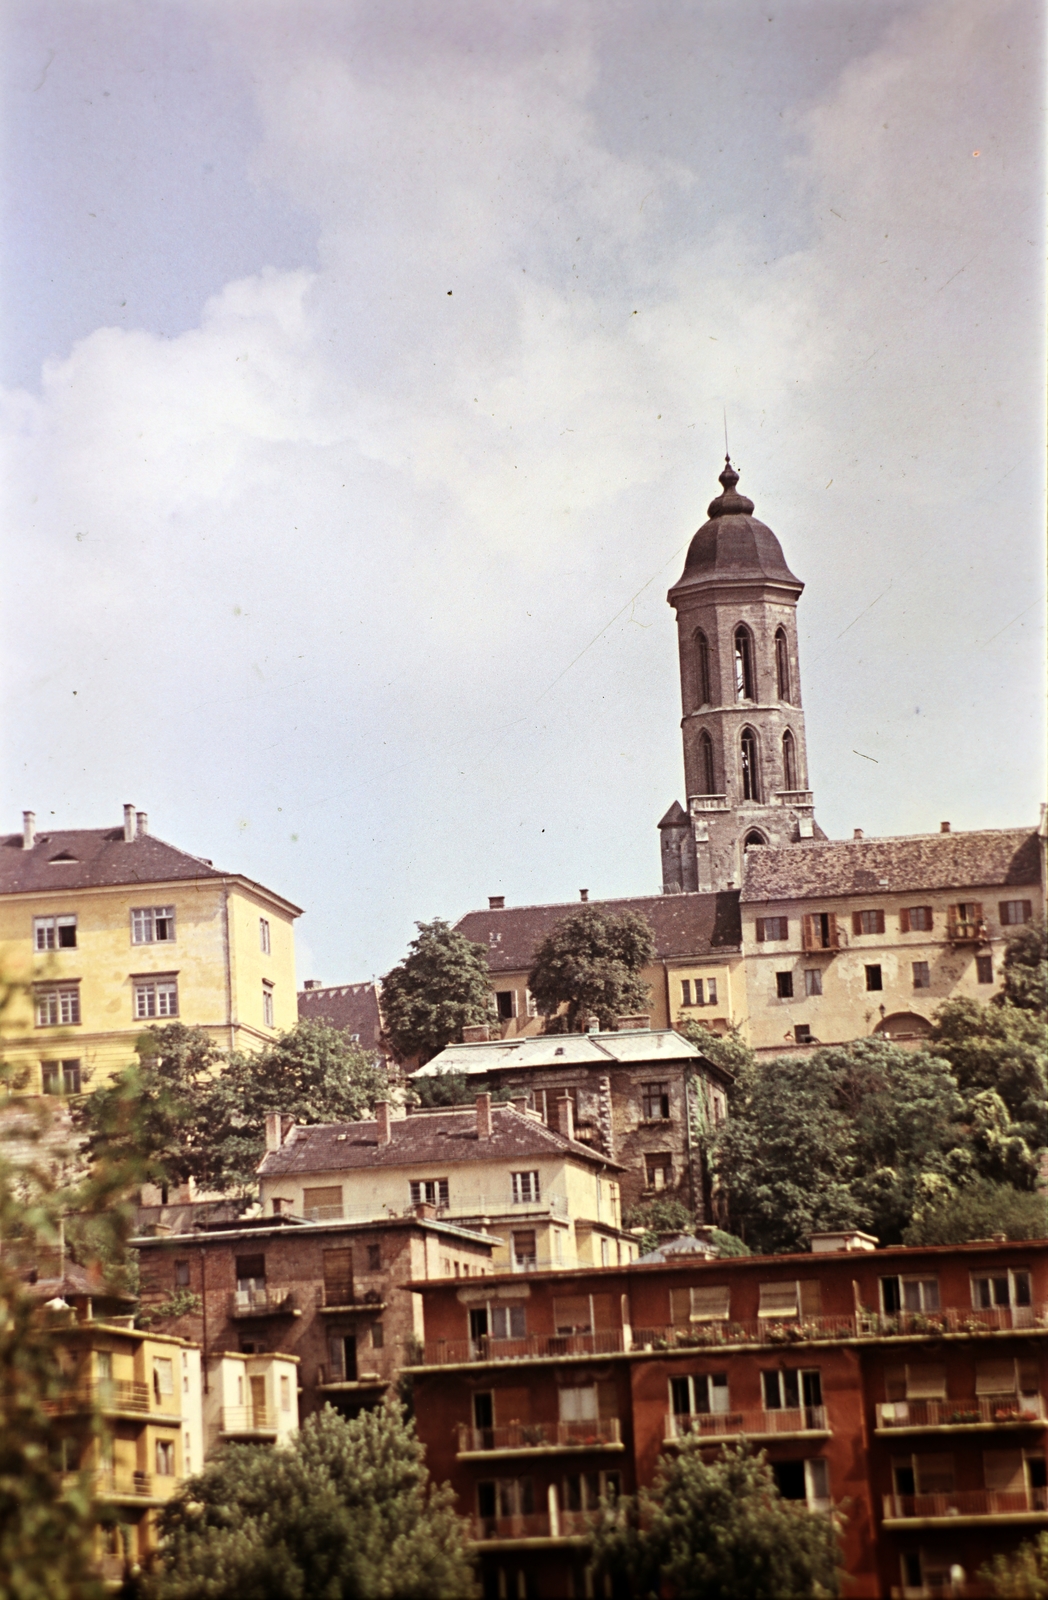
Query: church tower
[[745, 760]]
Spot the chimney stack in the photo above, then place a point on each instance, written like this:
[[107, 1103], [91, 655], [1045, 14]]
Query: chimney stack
[[141, 824], [274, 1130], [483, 1116], [520, 1105], [28, 829], [496, 902], [566, 1116], [857, 833], [385, 1127], [944, 827], [129, 824], [584, 894]]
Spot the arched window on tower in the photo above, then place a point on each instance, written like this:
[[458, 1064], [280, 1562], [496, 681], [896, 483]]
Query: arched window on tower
[[782, 666], [743, 664], [752, 839], [706, 764], [702, 669], [750, 774], [789, 760]]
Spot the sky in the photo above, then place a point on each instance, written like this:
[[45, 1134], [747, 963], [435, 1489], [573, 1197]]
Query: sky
[[366, 369]]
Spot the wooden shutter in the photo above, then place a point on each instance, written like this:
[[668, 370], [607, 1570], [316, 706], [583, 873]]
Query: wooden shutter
[[856, 922], [935, 1474], [811, 1297], [604, 1313], [878, 920], [832, 920], [994, 1377], [977, 911], [760, 930], [778, 1300], [1003, 1470], [709, 1302], [512, 1405], [807, 932], [904, 921], [571, 1313], [316, 1199], [953, 915], [680, 1307], [926, 1381], [338, 1277]]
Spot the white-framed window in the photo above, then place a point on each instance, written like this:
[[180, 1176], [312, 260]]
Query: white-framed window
[[60, 1077], [791, 1388], [163, 1377], [700, 1394], [804, 1481], [530, 1004], [583, 1491], [711, 991], [152, 924], [685, 992], [526, 1186], [1010, 1288], [909, 1294], [812, 981], [165, 1458], [772, 929], [156, 997], [54, 933], [267, 1005], [58, 1007], [506, 1004], [263, 935], [429, 1191]]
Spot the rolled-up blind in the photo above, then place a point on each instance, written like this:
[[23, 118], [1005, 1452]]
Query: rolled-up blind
[[994, 1377], [710, 1302], [571, 1314], [1003, 1469], [779, 1300], [926, 1381]]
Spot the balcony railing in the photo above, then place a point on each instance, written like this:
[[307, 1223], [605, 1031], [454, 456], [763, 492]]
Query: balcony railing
[[967, 933], [109, 1394], [261, 1302], [698, 803], [795, 797], [1006, 1410], [537, 1525], [139, 1485], [246, 1419], [453, 1352], [348, 1297], [965, 1503], [754, 1424], [524, 1436]]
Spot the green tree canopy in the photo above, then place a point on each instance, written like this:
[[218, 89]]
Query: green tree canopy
[[978, 1210], [442, 986], [717, 1530], [728, 1050], [998, 1048], [345, 1512], [1022, 1576], [1026, 970], [592, 963]]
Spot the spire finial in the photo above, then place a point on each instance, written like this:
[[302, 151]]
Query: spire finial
[[730, 504]]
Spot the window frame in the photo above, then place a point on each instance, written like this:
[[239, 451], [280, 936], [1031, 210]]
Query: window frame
[[868, 923], [750, 765], [812, 982], [703, 691], [155, 914], [56, 924], [657, 1093], [789, 762], [984, 969], [765, 926], [782, 666], [743, 663], [526, 1187], [656, 1161], [268, 1009], [874, 978], [707, 770], [66, 1076], [784, 985], [1014, 1302], [264, 937], [922, 974], [63, 998], [158, 984], [925, 916], [1007, 921], [440, 1187]]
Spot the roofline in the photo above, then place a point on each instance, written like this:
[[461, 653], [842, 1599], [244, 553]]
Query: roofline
[[620, 899], [217, 879], [201, 1236]]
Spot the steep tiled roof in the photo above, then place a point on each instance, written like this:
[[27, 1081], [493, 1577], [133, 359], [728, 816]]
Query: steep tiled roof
[[690, 925], [427, 1137], [998, 857], [352, 1007], [563, 1049]]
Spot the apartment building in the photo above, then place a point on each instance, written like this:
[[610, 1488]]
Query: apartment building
[[107, 931], [640, 1096], [549, 1199], [904, 1387], [294, 1314]]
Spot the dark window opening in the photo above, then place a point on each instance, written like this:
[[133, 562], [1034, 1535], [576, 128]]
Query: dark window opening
[[374, 1258], [789, 760], [874, 980], [802, 1033], [789, 1479], [656, 1101], [784, 985], [506, 1000], [984, 969], [743, 664], [753, 840], [484, 1410], [782, 668], [750, 776], [706, 764], [251, 1272], [702, 669]]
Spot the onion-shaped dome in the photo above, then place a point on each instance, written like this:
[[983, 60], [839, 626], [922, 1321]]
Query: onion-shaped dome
[[733, 543]]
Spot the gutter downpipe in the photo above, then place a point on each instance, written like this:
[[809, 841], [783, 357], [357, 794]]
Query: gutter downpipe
[[203, 1309]]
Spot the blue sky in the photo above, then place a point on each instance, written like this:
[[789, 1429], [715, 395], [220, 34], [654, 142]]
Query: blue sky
[[356, 584]]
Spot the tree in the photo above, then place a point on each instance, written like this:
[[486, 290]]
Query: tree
[[978, 1211], [442, 986], [1022, 1576], [998, 1048], [717, 1530], [347, 1511], [728, 1050], [1026, 970], [592, 963], [456, 1089]]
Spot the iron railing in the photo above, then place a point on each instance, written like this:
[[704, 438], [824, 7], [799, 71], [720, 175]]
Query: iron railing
[[533, 1525], [755, 1424], [542, 1435], [247, 1419], [261, 1302], [452, 1352], [965, 1503]]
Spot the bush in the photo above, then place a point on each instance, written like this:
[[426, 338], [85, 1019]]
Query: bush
[[978, 1211]]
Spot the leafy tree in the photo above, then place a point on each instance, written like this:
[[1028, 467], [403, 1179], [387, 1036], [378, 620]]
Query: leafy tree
[[592, 963], [978, 1211], [999, 1048], [728, 1050], [442, 986], [717, 1530], [1026, 970], [345, 1512], [668, 1215], [1022, 1576], [457, 1089]]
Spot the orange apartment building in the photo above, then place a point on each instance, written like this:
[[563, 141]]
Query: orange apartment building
[[904, 1387]]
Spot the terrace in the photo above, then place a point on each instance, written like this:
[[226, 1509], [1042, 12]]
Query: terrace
[[957, 1506], [539, 1438], [985, 1412], [806, 1422]]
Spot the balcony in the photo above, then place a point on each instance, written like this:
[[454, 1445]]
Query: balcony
[[344, 1297], [947, 1509], [795, 797], [804, 1423], [247, 1422], [107, 1395], [967, 933], [136, 1486], [540, 1438], [520, 1529], [459, 1352], [263, 1303], [957, 1416], [699, 804]]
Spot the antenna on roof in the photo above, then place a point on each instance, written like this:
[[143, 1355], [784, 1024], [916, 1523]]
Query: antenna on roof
[[727, 457]]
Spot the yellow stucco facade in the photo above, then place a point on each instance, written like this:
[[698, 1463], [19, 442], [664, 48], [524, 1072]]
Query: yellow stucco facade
[[715, 996]]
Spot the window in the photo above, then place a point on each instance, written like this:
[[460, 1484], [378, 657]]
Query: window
[[163, 1377], [156, 998], [429, 1191], [874, 979], [338, 1276], [322, 1202], [56, 933], [285, 1392], [685, 992], [530, 1004], [658, 1170], [743, 664], [498, 1321], [706, 774], [909, 1294], [922, 978], [374, 1258], [703, 1394], [577, 1403], [750, 783], [867, 922], [60, 1077], [802, 1033], [819, 931], [701, 1303], [812, 981], [263, 935], [267, 1005], [711, 991], [807, 1481], [504, 1498], [378, 1336], [790, 1388], [525, 1186], [1003, 1289], [772, 928], [181, 1274], [655, 1099], [165, 1458], [251, 1272], [702, 670], [984, 969], [754, 840], [506, 1003], [1013, 912], [789, 761], [915, 919], [153, 925], [782, 668], [57, 1008], [784, 985], [525, 1250], [342, 1350]]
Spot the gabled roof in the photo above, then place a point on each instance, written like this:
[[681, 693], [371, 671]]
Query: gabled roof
[[443, 1137], [658, 1045], [685, 925], [990, 858], [352, 1007]]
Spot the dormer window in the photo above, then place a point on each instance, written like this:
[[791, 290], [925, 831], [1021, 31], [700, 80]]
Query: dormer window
[[743, 664]]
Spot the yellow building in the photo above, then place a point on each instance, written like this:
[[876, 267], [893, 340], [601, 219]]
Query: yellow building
[[552, 1201], [108, 931]]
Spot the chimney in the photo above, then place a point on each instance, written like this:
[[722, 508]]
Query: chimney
[[141, 824], [857, 833], [274, 1130], [583, 894], [566, 1116], [592, 1024], [483, 1116], [641, 1022], [129, 824], [310, 983], [520, 1105], [28, 829], [496, 902], [944, 827], [385, 1127], [476, 1033]]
